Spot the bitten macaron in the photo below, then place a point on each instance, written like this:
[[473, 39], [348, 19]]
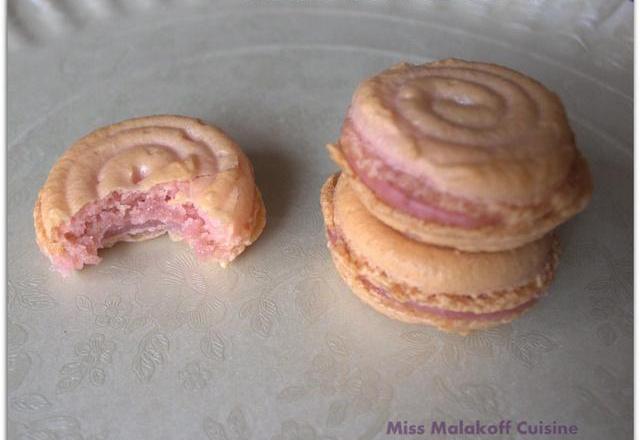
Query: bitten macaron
[[417, 282], [468, 155], [145, 177]]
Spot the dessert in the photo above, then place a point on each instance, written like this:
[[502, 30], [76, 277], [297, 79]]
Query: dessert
[[454, 176], [462, 154], [416, 282], [144, 177]]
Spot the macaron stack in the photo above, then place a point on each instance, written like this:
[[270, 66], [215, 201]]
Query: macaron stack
[[454, 176]]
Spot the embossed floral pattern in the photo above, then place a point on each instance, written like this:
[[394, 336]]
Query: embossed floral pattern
[[30, 402], [235, 427], [194, 376], [424, 346], [18, 366], [609, 289], [312, 297], [605, 396], [128, 271], [467, 401], [153, 352], [29, 291], [213, 346], [92, 357], [262, 313], [184, 272], [352, 391], [17, 336], [294, 430], [275, 345], [18, 360], [56, 428], [115, 313]]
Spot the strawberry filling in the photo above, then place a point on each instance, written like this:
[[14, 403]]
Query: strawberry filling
[[448, 314], [124, 214], [405, 193]]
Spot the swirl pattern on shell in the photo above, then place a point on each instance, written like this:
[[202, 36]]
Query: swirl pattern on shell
[[472, 128]]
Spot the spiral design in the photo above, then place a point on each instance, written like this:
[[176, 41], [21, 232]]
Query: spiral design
[[140, 153], [467, 106], [471, 128]]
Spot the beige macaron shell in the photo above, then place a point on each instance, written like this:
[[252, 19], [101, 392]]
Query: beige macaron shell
[[402, 312], [139, 153], [518, 226], [431, 269]]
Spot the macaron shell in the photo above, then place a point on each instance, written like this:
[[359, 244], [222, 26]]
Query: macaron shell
[[139, 153], [400, 312], [259, 217], [430, 268], [519, 226]]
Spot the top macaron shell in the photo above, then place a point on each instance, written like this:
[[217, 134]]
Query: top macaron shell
[[478, 130]]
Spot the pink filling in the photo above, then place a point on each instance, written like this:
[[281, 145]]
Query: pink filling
[[105, 221], [399, 190], [449, 314]]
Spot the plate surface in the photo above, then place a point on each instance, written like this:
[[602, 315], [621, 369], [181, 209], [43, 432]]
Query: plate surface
[[154, 344]]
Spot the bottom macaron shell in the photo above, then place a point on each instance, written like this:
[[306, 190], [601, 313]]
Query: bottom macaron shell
[[350, 267], [413, 314]]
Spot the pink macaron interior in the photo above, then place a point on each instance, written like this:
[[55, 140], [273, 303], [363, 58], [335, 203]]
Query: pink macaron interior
[[123, 214]]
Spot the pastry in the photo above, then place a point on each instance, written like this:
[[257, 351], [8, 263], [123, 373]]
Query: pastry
[[462, 154], [140, 178], [416, 282]]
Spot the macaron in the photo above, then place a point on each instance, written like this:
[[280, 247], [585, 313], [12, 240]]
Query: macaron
[[468, 155], [416, 282], [145, 177]]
